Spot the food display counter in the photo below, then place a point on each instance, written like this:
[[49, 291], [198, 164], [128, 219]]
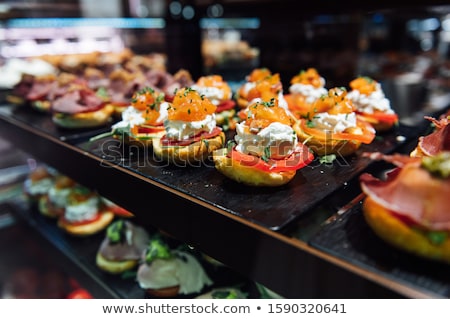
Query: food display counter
[[305, 239], [299, 244]]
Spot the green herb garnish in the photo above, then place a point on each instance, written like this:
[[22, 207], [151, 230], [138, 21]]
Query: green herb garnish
[[266, 155], [327, 159], [116, 232], [157, 249], [437, 237], [225, 294], [438, 165], [310, 124]]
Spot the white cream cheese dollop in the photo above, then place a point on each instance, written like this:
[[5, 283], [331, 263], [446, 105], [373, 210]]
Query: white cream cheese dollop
[[279, 138], [310, 92], [214, 94], [41, 186], [336, 123], [375, 101], [132, 117], [59, 196], [182, 130], [85, 210]]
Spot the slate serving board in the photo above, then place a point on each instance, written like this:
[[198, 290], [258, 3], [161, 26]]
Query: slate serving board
[[270, 207], [350, 238]]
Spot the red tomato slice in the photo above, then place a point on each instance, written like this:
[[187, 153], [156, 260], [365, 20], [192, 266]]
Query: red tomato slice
[[79, 293], [120, 211], [298, 159], [378, 117], [201, 136], [242, 114], [147, 129], [366, 137], [82, 222], [225, 105]]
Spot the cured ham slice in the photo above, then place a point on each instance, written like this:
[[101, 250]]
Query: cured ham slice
[[136, 240], [437, 141], [413, 194], [78, 101]]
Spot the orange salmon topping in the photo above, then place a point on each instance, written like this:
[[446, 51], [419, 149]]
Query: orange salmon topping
[[258, 75], [310, 76], [215, 81], [336, 102], [188, 105], [148, 101], [262, 114], [266, 89], [364, 85]]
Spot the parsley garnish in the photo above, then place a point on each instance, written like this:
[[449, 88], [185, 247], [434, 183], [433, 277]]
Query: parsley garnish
[[266, 155], [327, 159], [437, 237], [230, 146], [310, 124]]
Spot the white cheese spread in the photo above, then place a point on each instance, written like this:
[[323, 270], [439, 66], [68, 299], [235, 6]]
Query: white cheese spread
[[336, 123], [279, 138], [376, 101], [311, 93], [214, 94], [85, 210], [182, 130]]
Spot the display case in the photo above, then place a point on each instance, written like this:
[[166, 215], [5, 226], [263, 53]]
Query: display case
[[307, 239]]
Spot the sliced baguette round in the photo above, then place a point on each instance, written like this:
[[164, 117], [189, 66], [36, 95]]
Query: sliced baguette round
[[106, 217], [85, 119], [190, 154], [114, 266], [401, 235], [249, 175], [325, 147]]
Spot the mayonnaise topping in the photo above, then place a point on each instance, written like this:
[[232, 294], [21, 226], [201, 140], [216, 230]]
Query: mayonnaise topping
[[279, 139], [85, 210], [182, 130], [214, 94], [336, 123], [183, 270], [375, 101]]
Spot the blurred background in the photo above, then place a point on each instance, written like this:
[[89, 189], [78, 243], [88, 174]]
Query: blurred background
[[231, 37]]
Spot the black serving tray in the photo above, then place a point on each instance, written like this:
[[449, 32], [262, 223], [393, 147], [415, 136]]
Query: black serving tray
[[43, 122], [82, 253], [350, 238], [273, 208], [24, 250]]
